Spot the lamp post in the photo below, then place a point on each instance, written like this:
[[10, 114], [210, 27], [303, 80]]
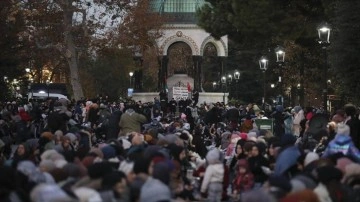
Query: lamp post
[[280, 59], [263, 63], [214, 85], [324, 40], [131, 74], [223, 82], [47, 86], [236, 77]]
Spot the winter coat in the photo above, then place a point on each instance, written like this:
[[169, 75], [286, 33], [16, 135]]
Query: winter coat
[[243, 182], [213, 173], [131, 121], [342, 144], [255, 164]]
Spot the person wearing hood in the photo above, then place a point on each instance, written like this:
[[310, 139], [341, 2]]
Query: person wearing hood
[[214, 176], [298, 117], [256, 161], [342, 143], [131, 121], [244, 179]]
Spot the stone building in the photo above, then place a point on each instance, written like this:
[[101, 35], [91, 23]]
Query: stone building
[[185, 47]]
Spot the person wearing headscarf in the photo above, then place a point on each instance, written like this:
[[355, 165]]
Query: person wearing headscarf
[[256, 161]]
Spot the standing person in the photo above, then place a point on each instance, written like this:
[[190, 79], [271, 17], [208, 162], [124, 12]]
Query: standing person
[[172, 106], [244, 180], [214, 176], [233, 115], [131, 121], [256, 162], [195, 97], [163, 101], [93, 114], [353, 122], [278, 116], [298, 117]]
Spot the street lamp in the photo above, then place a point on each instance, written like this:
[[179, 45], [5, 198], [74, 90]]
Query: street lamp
[[47, 85], [223, 82], [131, 74], [236, 77], [214, 85], [280, 59], [263, 63], [324, 40]]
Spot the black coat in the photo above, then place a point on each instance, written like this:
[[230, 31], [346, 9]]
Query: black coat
[[255, 164], [233, 114], [113, 127]]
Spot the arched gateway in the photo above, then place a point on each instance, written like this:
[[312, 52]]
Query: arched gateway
[[187, 49]]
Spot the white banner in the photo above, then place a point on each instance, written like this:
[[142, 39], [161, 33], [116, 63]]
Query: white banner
[[180, 93]]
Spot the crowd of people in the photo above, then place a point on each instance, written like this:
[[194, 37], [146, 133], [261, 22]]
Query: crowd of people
[[96, 150]]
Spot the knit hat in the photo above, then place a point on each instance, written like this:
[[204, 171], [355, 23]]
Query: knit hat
[[49, 154], [154, 190], [251, 134], [310, 157], [108, 151], [58, 133], [48, 165], [161, 171], [297, 109], [47, 135], [213, 156], [72, 137], [343, 129]]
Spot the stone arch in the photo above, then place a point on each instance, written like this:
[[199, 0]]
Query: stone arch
[[180, 59], [179, 37], [219, 44]]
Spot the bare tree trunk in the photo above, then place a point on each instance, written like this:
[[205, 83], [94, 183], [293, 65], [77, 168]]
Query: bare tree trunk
[[71, 57], [74, 69]]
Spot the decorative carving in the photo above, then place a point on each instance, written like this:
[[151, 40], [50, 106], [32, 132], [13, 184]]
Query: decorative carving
[[211, 39], [182, 38], [179, 33]]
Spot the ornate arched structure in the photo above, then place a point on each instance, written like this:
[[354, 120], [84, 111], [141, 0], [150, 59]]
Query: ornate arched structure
[[181, 27]]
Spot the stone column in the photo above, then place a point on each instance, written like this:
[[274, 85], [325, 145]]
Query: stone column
[[197, 59], [162, 74]]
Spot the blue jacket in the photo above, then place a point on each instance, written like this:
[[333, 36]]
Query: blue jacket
[[342, 144]]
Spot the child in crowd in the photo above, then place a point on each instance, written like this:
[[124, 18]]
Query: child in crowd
[[213, 178], [244, 180]]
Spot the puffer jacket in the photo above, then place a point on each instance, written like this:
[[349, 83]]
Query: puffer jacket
[[342, 144]]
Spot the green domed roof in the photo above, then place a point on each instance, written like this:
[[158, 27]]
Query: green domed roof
[[178, 11]]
